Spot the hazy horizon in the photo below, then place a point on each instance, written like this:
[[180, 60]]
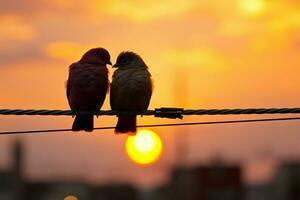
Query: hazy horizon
[[208, 54]]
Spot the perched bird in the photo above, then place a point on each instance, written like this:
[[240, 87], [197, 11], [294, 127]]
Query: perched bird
[[87, 86], [130, 91]]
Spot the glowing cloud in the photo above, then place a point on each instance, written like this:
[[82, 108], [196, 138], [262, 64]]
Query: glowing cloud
[[235, 28], [143, 10], [197, 57], [14, 28], [69, 51]]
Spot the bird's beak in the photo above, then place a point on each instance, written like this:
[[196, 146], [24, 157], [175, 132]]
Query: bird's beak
[[109, 63]]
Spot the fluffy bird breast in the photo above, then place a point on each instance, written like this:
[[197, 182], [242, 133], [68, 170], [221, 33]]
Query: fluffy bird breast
[[131, 89]]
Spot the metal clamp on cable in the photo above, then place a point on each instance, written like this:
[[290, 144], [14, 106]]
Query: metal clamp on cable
[[172, 113]]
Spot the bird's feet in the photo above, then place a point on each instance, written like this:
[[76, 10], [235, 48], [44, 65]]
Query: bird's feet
[[75, 112], [97, 113]]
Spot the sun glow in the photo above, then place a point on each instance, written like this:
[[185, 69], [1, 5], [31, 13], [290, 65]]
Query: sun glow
[[144, 148], [252, 7], [71, 197]]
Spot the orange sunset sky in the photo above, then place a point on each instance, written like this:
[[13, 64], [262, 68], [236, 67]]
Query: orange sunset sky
[[202, 54]]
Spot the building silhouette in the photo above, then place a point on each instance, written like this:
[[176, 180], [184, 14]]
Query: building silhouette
[[286, 183], [215, 181], [212, 182], [13, 186]]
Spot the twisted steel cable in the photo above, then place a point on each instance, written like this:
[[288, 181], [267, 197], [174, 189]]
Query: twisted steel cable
[[242, 111], [159, 112]]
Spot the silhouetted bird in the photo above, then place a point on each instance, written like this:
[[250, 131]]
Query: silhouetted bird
[[87, 86], [131, 90]]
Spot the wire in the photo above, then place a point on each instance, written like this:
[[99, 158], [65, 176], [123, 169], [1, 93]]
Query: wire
[[158, 112], [165, 125]]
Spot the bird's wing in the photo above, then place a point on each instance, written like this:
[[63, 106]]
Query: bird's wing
[[68, 88], [68, 81]]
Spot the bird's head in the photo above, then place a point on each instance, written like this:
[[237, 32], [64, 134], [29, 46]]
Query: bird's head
[[128, 59], [96, 56]]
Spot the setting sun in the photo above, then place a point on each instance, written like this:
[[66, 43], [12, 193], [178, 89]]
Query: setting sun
[[144, 148], [71, 197]]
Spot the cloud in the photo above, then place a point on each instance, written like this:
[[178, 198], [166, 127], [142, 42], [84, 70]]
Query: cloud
[[68, 51], [131, 9], [290, 20], [17, 38], [280, 31], [16, 53], [198, 57], [19, 7], [35, 7], [236, 28], [135, 11], [144, 10], [15, 29]]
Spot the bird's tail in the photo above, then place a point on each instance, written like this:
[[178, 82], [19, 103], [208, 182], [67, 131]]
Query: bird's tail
[[83, 122], [126, 124]]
